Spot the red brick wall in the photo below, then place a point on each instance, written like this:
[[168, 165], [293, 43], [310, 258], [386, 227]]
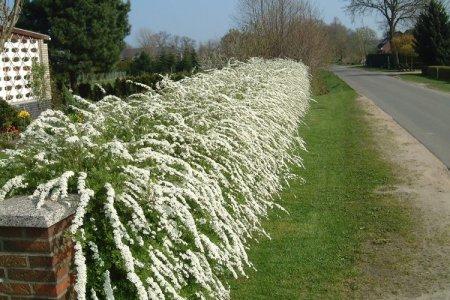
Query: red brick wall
[[35, 263]]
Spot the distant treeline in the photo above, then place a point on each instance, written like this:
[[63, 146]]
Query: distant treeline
[[161, 53], [166, 62]]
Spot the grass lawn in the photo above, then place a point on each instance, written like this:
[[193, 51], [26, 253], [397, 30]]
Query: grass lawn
[[431, 83], [314, 250]]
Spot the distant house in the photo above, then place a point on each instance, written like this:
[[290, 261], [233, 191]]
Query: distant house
[[21, 50], [130, 53], [384, 47]]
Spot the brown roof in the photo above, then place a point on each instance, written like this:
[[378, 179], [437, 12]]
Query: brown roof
[[129, 53], [32, 34]]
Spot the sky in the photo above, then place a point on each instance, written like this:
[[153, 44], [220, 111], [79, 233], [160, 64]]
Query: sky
[[203, 20]]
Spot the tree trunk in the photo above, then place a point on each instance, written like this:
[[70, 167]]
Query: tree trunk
[[391, 42], [9, 21], [73, 78]]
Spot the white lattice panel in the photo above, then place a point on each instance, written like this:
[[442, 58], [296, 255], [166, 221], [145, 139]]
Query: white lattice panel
[[15, 65]]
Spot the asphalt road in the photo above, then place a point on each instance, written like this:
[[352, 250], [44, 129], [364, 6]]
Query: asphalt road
[[425, 113]]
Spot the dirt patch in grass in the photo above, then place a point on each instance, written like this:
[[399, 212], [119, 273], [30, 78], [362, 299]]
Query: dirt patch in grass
[[413, 264]]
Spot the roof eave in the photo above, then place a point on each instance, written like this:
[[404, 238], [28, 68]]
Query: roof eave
[[29, 33]]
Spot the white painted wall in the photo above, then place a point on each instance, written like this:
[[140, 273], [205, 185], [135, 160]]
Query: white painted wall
[[15, 68]]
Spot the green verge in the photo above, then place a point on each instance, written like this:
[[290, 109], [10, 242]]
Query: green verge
[[440, 85], [314, 251]]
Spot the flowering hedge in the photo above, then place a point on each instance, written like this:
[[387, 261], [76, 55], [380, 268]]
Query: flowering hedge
[[172, 183]]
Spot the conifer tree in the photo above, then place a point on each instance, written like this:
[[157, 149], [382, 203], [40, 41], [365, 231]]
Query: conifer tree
[[185, 63], [167, 61], [142, 64], [87, 35], [432, 34], [194, 59], [188, 61]]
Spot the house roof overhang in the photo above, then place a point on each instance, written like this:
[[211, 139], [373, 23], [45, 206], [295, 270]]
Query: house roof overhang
[[32, 34]]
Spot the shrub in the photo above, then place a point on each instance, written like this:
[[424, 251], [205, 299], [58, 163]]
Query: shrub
[[39, 84], [173, 182], [11, 119], [123, 87], [7, 140], [167, 61]]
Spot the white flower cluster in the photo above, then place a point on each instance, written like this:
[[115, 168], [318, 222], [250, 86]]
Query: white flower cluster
[[14, 183], [173, 182], [80, 263], [102, 90]]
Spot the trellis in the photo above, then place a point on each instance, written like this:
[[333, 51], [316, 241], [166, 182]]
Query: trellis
[[21, 51]]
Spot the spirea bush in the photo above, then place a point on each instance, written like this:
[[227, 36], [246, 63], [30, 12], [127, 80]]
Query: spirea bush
[[172, 183]]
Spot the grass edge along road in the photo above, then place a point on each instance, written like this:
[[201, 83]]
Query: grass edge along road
[[314, 250], [435, 84], [440, 85]]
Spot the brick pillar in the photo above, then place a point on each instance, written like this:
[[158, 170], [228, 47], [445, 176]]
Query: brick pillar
[[35, 253], [44, 59]]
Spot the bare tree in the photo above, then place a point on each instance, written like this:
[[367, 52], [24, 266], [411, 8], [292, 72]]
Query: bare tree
[[272, 21], [9, 15], [394, 12], [210, 55], [366, 39], [185, 43], [340, 40], [279, 28], [151, 42], [145, 39], [310, 43], [155, 43]]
